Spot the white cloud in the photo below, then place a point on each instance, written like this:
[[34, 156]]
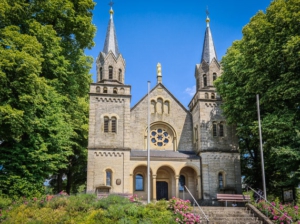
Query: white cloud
[[191, 91]]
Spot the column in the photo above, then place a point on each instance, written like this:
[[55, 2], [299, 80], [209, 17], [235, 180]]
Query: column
[[154, 187], [176, 186], [199, 186], [130, 183]]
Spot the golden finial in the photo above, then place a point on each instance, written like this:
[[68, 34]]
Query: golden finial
[[111, 11], [207, 18], [159, 76], [158, 67]]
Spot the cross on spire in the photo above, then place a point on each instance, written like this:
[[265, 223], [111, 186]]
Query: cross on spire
[[207, 12], [111, 3]]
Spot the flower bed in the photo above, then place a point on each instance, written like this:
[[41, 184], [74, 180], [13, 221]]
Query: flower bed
[[182, 210], [288, 210]]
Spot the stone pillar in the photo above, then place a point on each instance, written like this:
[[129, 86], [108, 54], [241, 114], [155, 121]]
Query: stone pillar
[[130, 184], [154, 187], [199, 186], [176, 186]]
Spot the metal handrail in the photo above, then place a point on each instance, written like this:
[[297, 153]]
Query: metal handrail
[[269, 203], [197, 204]]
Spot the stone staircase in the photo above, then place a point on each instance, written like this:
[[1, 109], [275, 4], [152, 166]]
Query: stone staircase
[[228, 215]]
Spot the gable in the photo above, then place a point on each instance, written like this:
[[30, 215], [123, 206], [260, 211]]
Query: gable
[[166, 114]]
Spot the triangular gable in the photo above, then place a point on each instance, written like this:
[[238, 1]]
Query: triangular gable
[[155, 87]]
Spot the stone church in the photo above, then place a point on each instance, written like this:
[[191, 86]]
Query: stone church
[[192, 147]]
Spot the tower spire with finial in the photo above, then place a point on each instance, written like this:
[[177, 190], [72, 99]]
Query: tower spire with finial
[[111, 43], [208, 52]]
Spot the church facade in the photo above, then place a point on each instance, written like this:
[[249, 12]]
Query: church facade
[[192, 147]]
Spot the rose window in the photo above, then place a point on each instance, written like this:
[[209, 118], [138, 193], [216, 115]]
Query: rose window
[[160, 137]]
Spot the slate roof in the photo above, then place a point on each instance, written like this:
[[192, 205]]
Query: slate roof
[[209, 51], [164, 154], [111, 43]]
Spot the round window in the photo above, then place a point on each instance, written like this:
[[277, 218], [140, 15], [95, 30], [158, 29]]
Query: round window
[[160, 137]]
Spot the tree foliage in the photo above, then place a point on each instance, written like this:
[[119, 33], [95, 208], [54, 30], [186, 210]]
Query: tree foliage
[[44, 81], [266, 62]]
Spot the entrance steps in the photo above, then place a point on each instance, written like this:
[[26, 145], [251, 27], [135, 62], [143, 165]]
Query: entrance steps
[[228, 215]]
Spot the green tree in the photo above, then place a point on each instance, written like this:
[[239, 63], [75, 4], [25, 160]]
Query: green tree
[[266, 62], [44, 83]]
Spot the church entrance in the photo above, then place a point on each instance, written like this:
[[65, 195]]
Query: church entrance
[[161, 190]]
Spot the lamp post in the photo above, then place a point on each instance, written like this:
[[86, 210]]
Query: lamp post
[[148, 147], [261, 148]]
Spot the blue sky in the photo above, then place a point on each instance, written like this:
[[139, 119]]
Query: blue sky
[[172, 33]]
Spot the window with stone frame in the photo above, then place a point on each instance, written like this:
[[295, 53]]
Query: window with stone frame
[[204, 80], [120, 75], [114, 124], [139, 182], [221, 130], [206, 95], [215, 134], [115, 91], [221, 180], [110, 72], [214, 76], [181, 182], [101, 73], [212, 96], [106, 124], [108, 177], [105, 90]]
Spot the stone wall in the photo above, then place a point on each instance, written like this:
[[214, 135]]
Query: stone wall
[[176, 118]]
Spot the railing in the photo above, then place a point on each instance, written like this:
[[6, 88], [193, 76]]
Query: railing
[[262, 197], [204, 215]]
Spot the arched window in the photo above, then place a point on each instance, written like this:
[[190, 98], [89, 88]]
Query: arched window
[[166, 107], [97, 89], [104, 90], [106, 121], [221, 130], [101, 73], [221, 181], [110, 72], [153, 105], [204, 80], [139, 182], [108, 177], [159, 106], [206, 95], [213, 96], [114, 124], [197, 83], [120, 75], [115, 91], [214, 76], [181, 182], [214, 129]]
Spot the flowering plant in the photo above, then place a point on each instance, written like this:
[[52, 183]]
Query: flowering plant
[[135, 198], [182, 210], [287, 212]]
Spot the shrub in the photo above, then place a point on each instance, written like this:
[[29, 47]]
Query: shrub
[[288, 210]]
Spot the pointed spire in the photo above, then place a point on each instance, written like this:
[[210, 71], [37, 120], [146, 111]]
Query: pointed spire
[[111, 43], [208, 52]]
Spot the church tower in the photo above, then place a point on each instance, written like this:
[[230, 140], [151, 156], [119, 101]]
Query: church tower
[[109, 113], [213, 139]]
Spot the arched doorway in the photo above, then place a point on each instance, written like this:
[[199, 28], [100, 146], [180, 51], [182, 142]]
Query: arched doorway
[[165, 183], [188, 177]]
